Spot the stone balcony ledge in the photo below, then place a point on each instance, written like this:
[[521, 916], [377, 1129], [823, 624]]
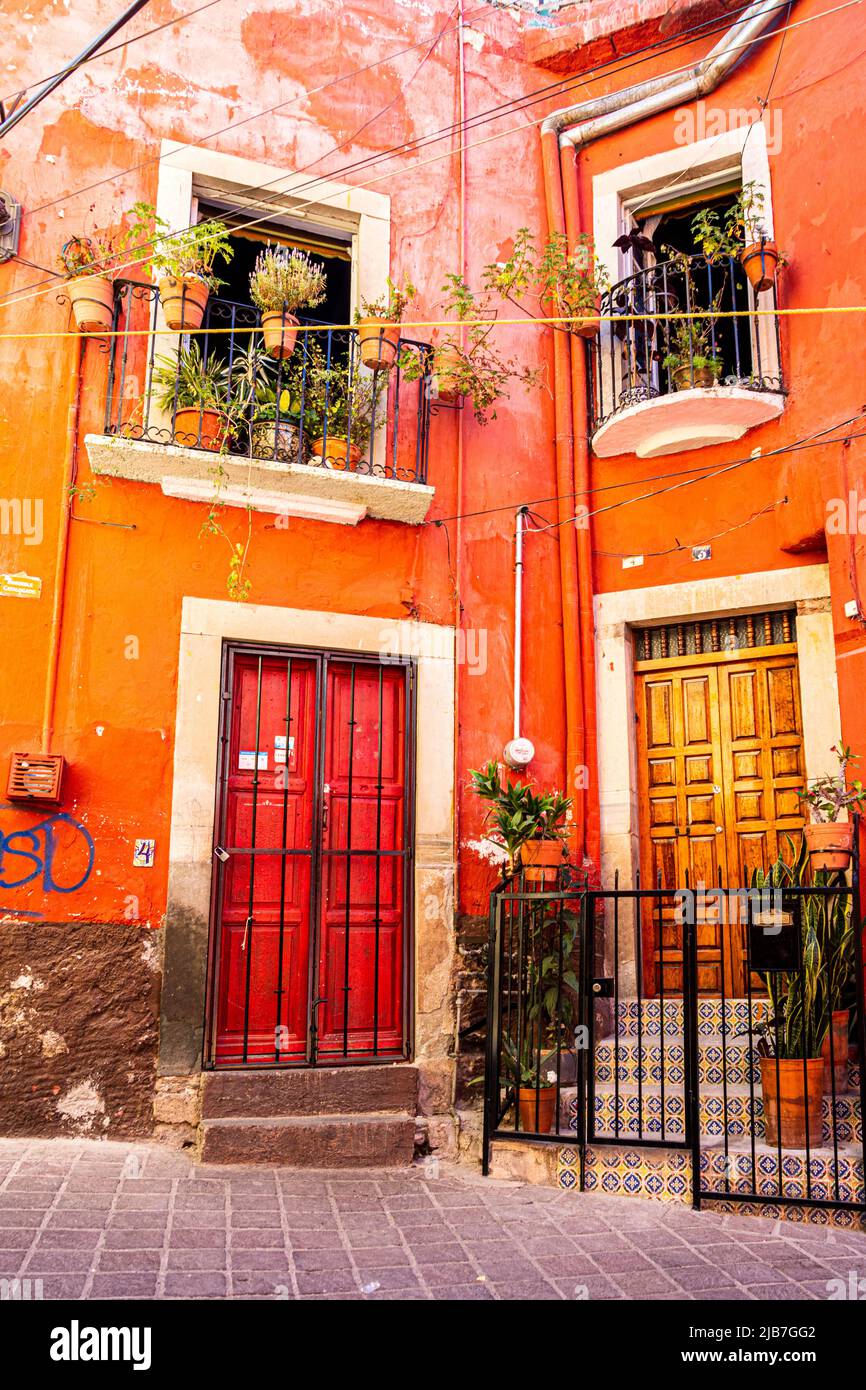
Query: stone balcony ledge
[[314, 491]]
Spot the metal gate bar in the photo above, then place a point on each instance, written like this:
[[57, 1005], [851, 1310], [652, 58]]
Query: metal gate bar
[[661, 1042]]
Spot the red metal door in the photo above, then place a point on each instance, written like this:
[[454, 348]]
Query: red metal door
[[313, 855]]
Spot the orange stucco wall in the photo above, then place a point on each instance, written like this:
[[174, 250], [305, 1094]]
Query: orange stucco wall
[[115, 715]]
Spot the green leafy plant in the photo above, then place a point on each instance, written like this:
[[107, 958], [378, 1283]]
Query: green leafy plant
[[566, 281], [191, 252], [549, 998], [476, 369], [285, 280], [720, 236], [827, 797], [338, 398], [188, 381], [802, 1003], [110, 250], [517, 812], [389, 307]]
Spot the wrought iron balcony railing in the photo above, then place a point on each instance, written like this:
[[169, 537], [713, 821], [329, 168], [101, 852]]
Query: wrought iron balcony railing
[[641, 355], [217, 390]]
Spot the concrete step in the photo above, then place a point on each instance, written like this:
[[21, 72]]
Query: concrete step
[[289, 1092], [311, 1141]]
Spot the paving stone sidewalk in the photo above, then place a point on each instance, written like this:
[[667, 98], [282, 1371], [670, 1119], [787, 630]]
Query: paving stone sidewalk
[[110, 1220]]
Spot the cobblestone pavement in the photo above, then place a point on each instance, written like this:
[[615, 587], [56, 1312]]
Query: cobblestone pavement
[[110, 1220]]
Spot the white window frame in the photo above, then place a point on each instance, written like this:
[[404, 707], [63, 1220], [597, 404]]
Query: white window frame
[[697, 167]]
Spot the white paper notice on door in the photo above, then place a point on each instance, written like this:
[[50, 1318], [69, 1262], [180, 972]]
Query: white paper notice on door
[[281, 743], [247, 760]]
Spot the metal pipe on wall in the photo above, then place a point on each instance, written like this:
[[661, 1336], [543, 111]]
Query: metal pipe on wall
[[570, 129]]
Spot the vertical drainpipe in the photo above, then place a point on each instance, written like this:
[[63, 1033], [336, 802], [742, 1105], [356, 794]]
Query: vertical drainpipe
[[575, 127], [56, 631], [583, 532], [575, 730]]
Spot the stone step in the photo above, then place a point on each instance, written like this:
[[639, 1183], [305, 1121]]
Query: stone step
[[311, 1141], [288, 1092]]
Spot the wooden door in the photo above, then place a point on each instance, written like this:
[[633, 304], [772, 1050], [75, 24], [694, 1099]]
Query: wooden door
[[720, 756], [313, 857]]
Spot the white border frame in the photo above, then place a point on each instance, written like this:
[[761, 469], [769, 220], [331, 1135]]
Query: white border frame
[[205, 625]]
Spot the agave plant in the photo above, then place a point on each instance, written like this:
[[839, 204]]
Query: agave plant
[[803, 1002], [188, 381]]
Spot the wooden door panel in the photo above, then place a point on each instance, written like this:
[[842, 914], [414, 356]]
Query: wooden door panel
[[265, 921], [363, 900], [720, 755]]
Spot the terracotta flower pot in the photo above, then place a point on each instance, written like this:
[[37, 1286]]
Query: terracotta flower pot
[[202, 429], [797, 1101], [275, 445], [446, 364], [759, 261], [836, 1076], [378, 343], [279, 332], [337, 453], [541, 860], [92, 299], [526, 1104], [830, 845], [183, 301], [682, 378]]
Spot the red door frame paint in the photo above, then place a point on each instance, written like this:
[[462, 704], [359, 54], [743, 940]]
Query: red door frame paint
[[320, 663]]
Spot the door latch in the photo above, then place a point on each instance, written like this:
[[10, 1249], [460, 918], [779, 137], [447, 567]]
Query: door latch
[[221, 854], [603, 988]]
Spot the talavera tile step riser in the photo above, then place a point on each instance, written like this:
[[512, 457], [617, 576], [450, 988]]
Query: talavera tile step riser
[[665, 1175], [646, 1017], [733, 1064], [641, 1117]]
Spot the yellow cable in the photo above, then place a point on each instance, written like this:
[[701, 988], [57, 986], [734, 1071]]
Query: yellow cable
[[456, 323]]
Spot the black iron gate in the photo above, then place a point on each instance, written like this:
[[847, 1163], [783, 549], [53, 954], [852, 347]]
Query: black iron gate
[[589, 1048]]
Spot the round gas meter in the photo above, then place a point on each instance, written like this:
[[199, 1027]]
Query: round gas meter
[[518, 752]]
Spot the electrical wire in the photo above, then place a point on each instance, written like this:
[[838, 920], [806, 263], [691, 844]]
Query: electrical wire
[[691, 545], [25, 291], [814, 441]]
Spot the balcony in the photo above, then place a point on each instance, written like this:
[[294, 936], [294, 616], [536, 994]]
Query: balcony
[[211, 416], [661, 385]]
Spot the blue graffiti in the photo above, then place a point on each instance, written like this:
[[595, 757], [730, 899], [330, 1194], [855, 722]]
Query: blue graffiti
[[38, 848]]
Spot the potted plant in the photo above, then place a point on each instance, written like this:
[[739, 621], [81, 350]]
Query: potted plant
[[794, 1048], [91, 293], [741, 235], [183, 263], [378, 323], [535, 1080], [194, 391], [529, 824], [92, 260], [283, 281], [830, 840], [568, 280], [690, 358], [275, 429], [339, 409]]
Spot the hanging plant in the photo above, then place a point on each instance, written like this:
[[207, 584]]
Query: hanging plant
[[558, 279]]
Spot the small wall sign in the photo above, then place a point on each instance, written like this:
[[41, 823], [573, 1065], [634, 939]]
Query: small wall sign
[[20, 586], [143, 854], [247, 760]]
